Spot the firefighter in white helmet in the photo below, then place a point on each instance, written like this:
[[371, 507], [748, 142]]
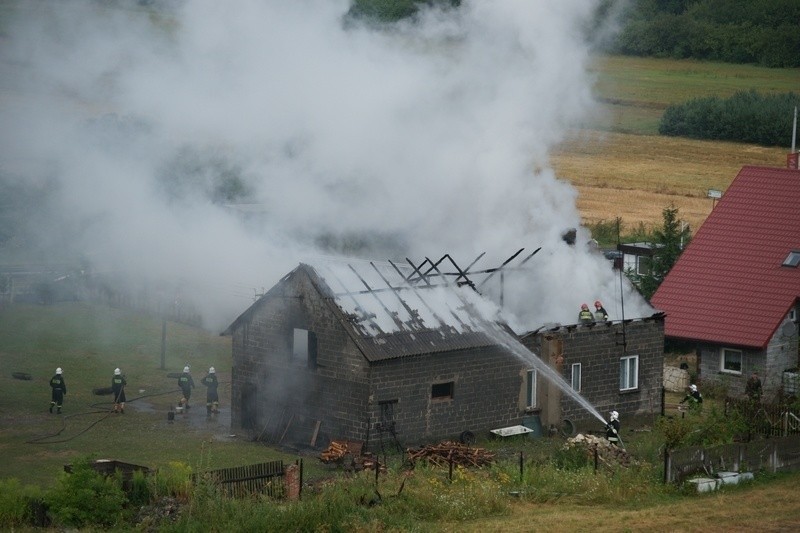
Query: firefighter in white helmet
[[212, 398], [186, 383], [59, 389], [118, 389], [612, 428], [694, 397]]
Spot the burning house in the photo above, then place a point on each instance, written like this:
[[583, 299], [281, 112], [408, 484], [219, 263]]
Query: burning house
[[383, 352], [366, 350]]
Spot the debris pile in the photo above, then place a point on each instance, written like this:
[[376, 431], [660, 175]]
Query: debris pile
[[607, 453], [445, 452]]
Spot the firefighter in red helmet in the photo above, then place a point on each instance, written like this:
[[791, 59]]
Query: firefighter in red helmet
[[585, 315], [600, 313]]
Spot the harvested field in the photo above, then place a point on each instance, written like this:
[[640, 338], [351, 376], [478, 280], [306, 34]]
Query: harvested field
[[635, 177]]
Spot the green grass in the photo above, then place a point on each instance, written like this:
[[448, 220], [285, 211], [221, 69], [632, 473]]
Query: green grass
[[88, 342], [635, 91]]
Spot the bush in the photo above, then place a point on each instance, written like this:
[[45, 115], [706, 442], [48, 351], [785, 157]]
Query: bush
[[86, 498], [15, 503]]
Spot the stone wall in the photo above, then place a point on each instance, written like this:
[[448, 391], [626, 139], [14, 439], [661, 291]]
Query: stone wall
[[676, 379]]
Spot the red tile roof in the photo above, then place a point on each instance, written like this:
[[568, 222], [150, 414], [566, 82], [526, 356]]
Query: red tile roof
[[729, 287]]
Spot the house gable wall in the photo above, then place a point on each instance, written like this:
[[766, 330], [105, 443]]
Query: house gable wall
[[598, 349], [268, 385]]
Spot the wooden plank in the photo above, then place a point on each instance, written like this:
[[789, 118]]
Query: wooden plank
[[316, 432], [288, 424]]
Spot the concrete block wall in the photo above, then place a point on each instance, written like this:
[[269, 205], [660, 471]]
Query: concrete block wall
[[486, 392], [335, 390], [598, 349]]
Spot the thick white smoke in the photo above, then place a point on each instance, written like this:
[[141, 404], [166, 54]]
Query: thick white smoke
[[427, 138]]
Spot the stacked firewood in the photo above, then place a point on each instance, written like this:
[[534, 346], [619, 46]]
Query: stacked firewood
[[607, 453], [445, 452], [338, 449]]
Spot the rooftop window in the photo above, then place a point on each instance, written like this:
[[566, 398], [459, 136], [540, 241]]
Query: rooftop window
[[792, 260]]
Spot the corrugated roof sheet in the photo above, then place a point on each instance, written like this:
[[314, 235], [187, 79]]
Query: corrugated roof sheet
[[389, 317], [729, 285]]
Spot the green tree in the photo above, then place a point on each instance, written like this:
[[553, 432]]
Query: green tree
[[668, 244]]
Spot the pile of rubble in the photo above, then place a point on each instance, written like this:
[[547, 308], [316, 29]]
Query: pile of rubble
[[444, 453], [607, 453]]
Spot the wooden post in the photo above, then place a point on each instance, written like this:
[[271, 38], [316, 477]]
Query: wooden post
[[521, 467], [163, 343], [667, 466]]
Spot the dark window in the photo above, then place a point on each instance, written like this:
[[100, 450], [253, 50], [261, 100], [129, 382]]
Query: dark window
[[304, 347], [440, 391], [387, 412]]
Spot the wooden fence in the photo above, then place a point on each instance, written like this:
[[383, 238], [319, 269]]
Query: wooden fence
[[766, 419], [261, 478], [781, 454]]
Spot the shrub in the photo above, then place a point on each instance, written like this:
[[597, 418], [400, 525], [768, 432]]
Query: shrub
[[85, 497], [15, 503]]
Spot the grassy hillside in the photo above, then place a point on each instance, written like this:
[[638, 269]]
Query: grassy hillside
[[88, 342]]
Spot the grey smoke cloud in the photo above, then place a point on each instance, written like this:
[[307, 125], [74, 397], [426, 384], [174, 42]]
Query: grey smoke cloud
[[432, 137]]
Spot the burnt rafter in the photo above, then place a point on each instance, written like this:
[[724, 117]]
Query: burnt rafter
[[413, 314], [429, 274]]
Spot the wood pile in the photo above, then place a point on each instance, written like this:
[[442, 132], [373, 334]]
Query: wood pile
[[339, 449], [607, 453], [443, 453]]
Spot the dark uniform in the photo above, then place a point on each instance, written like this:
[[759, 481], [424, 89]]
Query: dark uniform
[[59, 389], [186, 383], [612, 429], [694, 398], [212, 397], [118, 388], [753, 388]]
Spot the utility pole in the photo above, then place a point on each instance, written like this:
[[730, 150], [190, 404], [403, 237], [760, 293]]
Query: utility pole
[[163, 343]]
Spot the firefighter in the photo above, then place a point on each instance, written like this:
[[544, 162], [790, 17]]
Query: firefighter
[[118, 389], [186, 383], [59, 389], [694, 397], [612, 428], [600, 314], [585, 315], [753, 387], [212, 398]]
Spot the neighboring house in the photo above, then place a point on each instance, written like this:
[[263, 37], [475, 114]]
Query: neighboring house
[[734, 291], [637, 257], [369, 352], [614, 365]]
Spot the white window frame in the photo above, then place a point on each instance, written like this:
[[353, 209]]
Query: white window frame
[[648, 262], [532, 378], [723, 360], [793, 315], [629, 371], [576, 377]]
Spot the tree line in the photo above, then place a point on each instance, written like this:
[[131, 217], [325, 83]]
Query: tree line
[[762, 32], [746, 116]]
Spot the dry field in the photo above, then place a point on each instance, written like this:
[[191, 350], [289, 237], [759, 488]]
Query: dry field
[[635, 177]]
